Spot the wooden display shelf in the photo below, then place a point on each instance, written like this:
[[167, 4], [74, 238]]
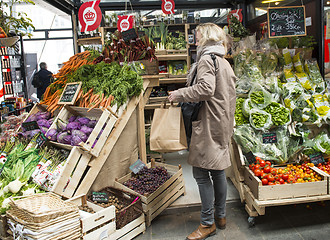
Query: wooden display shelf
[[173, 80], [154, 79], [90, 41], [157, 105], [153, 204], [172, 57]]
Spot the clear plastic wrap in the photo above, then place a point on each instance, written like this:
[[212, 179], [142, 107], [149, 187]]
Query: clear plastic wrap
[[239, 117], [297, 63], [259, 96], [313, 71], [273, 85], [246, 137], [260, 120], [243, 85], [280, 114], [252, 70], [304, 80], [246, 107]]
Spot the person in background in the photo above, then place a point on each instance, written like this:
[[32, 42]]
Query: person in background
[[42, 79], [212, 131]]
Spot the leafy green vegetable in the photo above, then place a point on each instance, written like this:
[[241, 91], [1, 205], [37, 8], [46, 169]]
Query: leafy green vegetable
[[280, 114], [239, 117]]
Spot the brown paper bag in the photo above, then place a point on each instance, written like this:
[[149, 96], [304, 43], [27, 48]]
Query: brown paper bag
[[167, 132]]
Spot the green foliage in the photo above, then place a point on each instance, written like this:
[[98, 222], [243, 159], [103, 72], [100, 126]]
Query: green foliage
[[10, 22], [237, 29]]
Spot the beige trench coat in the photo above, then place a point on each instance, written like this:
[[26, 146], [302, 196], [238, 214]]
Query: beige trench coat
[[211, 133]]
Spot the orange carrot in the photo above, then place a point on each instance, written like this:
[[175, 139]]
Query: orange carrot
[[96, 104]]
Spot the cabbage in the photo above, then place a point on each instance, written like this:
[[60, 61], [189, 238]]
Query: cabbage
[[43, 123], [61, 125], [86, 130], [75, 140], [64, 138], [43, 115], [72, 119], [52, 134], [83, 120], [73, 126], [43, 129], [80, 134], [50, 121], [31, 118], [92, 123], [34, 132]]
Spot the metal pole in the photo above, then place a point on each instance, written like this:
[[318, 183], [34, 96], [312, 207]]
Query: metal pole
[[320, 33]]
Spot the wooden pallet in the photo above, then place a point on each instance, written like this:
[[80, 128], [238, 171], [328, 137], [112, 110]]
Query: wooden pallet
[[284, 191], [166, 194], [99, 224], [130, 231]]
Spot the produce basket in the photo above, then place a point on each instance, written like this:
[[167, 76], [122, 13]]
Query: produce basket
[[8, 41], [41, 207], [131, 211]]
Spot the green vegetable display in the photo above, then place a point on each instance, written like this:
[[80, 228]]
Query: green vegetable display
[[260, 119], [239, 117], [177, 67], [280, 115], [257, 97], [246, 137]]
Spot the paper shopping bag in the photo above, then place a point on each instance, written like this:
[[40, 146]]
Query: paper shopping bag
[[167, 132]]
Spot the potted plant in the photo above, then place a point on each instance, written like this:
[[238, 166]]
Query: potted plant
[[12, 23]]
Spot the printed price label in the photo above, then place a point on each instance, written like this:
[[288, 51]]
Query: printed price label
[[317, 158], [137, 166], [100, 197], [250, 157], [41, 139], [269, 138]]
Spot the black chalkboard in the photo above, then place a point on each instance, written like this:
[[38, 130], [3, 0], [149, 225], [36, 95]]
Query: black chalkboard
[[100, 197], [286, 21], [269, 138], [129, 34], [29, 126], [70, 93], [316, 158], [157, 40], [141, 33], [250, 157], [41, 139], [137, 166]]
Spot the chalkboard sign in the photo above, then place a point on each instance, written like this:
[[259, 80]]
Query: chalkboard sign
[[41, 139], [100, 197], [129, 34], [269, 138], [250, 157], [316, 158], [137, 166], [157, 40], [141, 33], [70, 93], [29, 126], [286, 21]]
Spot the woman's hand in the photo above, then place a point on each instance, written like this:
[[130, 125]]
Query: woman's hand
[[173, 96]]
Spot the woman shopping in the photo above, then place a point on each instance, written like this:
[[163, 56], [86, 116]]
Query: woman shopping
[[214, 86]]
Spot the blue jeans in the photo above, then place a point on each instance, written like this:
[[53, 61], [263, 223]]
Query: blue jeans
[[213, 193]]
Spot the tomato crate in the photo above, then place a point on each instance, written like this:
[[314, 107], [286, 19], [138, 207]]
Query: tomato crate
[[284, 191], [96, 225], [153, 204], [106, 120]]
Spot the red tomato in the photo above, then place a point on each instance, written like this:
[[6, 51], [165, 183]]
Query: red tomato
[[277, 182], [267, 169], [257, 166], [257, 172], [2, 35], [251, 166], [268, 163], [282, 181], [262, 163], [264, 181], [271, 183], [274, 171], [270, 178]]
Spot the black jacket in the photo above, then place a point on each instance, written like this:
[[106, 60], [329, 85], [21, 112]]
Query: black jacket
[[45, 77]]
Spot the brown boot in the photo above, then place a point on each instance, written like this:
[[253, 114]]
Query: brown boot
[[202, 232], [220, 222]]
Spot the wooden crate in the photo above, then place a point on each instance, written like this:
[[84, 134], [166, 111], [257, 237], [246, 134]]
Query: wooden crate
[[73, 173], [154, 203], [151, 68], [284, 191], [99, 224], [173, 51], [161, 52], [106, 217], [106, 120]]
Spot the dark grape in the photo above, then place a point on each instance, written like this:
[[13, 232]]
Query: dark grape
[[148, 180]]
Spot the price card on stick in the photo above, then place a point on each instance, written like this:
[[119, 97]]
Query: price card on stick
[[269, 138], [137, 166], [286, 21], [70, 93], [100, 197], [41, 139], [316, 158], [29, 126], [250, 157]]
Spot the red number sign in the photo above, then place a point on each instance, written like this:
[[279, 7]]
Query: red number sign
[[90, 16]]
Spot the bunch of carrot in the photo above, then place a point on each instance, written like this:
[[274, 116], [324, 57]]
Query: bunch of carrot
[[52, 100], [90, 100], [72, 65]]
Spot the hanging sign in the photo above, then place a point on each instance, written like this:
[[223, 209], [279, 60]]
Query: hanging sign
[[168, 6], [125, 23], [286, 21], [236, 13], [90, 16]]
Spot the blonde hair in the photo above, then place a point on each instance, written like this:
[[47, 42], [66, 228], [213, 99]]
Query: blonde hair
[[211, 32]]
